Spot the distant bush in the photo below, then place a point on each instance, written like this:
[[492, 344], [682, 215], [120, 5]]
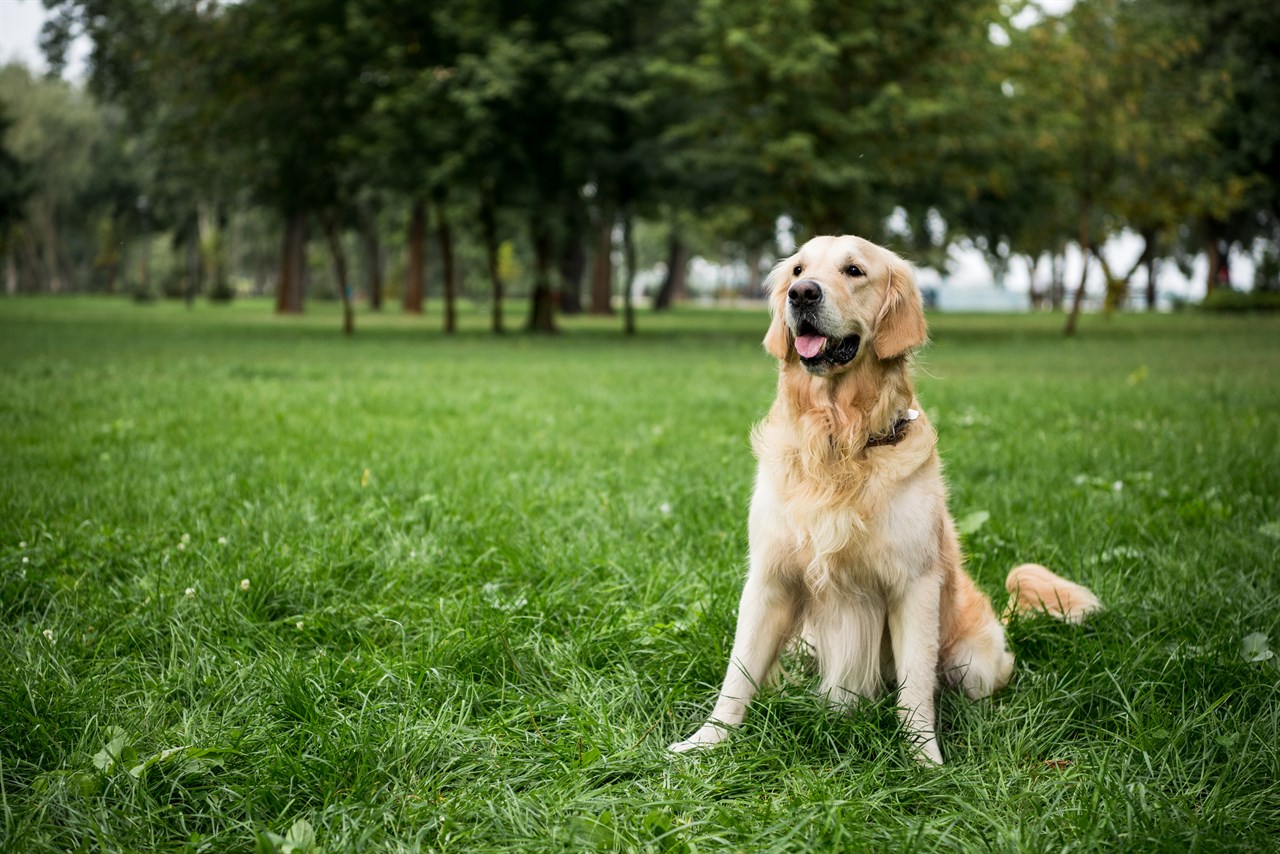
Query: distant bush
[[222, 292], [173, 284], [1228, 300]]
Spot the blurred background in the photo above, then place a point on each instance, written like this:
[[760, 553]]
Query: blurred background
[[592, 156]]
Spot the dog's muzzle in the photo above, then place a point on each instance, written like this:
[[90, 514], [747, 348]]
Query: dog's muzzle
[[818, 351]]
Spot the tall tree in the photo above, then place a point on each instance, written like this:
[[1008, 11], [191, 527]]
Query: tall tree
[[1120, 102], [1240, 43], [76, 185], [14, 189], [813, 108]]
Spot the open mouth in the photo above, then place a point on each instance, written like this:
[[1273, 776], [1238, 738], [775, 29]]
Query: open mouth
[[817, 350]]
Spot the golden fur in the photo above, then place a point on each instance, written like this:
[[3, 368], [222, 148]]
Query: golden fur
[[852, 548]]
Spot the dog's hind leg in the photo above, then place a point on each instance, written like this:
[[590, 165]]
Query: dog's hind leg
[[974, 656]]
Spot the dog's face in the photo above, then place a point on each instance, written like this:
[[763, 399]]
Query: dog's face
[[840, 299]]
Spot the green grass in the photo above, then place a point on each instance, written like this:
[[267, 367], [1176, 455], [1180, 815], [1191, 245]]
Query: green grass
[[489, 580]]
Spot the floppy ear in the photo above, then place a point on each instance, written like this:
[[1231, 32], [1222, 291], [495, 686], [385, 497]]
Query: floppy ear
[[777, 341], [900, 326]]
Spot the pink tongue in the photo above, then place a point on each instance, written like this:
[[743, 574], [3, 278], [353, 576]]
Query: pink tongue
[[809, 346]]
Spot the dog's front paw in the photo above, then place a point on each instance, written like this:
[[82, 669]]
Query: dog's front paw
[[928, 755], [709, 736]]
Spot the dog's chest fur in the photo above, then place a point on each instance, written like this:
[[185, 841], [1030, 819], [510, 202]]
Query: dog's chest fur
[[859, 524]]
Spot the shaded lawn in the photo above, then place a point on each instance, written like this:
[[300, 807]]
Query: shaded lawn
[[489, 580]]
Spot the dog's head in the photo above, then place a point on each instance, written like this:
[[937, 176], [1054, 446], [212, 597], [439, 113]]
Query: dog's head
[[839, 299]]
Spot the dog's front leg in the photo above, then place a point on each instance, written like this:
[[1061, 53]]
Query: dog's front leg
[[766, 618], [913, 630]]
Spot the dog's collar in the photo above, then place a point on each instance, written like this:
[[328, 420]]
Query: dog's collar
[[896, 432]]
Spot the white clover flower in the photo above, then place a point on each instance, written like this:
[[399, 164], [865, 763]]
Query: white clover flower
[[26, 560], [665, 507], [191, 593], [22, 544], [222, 541], [244, 584], [1256, 648], [186, 538], [182, 546], [48, 635], [300, 625], [1117, 486]]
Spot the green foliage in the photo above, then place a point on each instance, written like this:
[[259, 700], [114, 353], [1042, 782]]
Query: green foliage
[[491, 578], [1225, 299], [1239, 45], [829, 112], [916, 123], [1105, 124], [75, 194], [14, 186]]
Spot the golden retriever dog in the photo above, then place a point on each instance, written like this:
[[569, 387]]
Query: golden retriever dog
[[852, 548]]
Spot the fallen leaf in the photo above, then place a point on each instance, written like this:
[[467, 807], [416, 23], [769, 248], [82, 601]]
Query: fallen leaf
[[1255, 647], [971, 523]]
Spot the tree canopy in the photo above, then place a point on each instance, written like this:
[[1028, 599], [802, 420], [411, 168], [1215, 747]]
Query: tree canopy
[[543, 133]]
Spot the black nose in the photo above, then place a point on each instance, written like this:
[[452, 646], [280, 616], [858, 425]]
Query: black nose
[[804, 292]]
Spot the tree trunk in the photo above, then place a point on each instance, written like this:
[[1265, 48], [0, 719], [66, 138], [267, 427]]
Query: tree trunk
[[372, 258], [112, 270], [755, 284], [10, 274], [413, 295], [542, 304], [235, 244], [193, 268], [1113, 287], [1144, 260], [31, 265], [299, 291], [209, 246], [1151, 281], [286, 279], [53, 266], [1219, 272], [1073, 319], [489, 227], [673, 284], [445, 235], [573, 265], [602, 265], [289, 290], [1057, 289], [1033, 295], [628, 283], [144, 266], [1118, 288], [340, 270], [261, 273]]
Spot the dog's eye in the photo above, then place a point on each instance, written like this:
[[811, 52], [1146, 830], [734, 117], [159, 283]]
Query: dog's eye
[[853, 270], [797, 270]]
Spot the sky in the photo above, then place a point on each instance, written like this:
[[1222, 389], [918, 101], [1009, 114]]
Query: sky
[[20, 22]]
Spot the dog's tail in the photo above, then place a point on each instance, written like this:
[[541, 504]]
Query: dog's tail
[[1033, 587]]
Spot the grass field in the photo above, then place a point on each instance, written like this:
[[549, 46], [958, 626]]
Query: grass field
[[403, 592]]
